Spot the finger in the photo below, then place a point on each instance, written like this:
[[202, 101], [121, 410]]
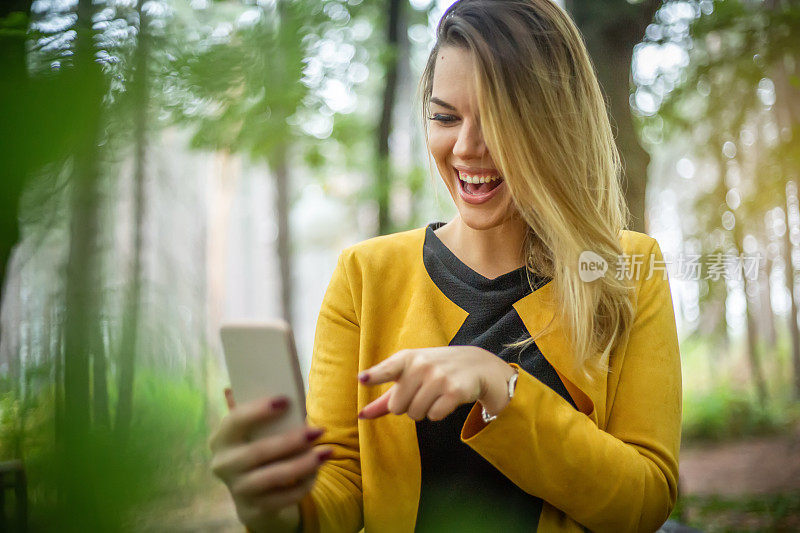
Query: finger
[[424, 399], [245, 457], [229, 398], [443, 405], [405, 390], [241, 420], [389, 369], [378, 407], [278, 474]]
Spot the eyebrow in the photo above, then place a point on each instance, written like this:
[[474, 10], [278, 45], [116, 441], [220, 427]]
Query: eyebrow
[[439, 101]]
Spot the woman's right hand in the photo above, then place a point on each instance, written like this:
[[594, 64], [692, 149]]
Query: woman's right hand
[[269, 476]]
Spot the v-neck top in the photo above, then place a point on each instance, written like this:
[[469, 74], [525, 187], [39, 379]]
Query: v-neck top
[[461, 490]]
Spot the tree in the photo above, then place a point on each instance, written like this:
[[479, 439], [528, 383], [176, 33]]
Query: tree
[[395, 34], [611, 29], [252, 86], [13, 28], [81, 269], [738, 50], [140, 88]]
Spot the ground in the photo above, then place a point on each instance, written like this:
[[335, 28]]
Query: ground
[[749, 485]]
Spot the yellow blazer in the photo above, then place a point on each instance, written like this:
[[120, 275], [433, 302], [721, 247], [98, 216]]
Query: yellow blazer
[[611, 466]]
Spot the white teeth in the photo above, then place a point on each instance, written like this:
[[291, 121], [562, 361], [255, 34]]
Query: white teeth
[[476, 179]]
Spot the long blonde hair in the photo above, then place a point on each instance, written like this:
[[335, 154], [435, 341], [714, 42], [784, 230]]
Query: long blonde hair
[[544, 120]]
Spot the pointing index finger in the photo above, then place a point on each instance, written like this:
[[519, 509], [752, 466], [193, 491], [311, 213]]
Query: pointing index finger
[[378, 407], [389, 369]]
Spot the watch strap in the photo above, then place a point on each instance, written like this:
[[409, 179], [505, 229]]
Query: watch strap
[[512, 384]]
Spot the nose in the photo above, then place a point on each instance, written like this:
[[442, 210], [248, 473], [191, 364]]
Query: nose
[[469, 144]]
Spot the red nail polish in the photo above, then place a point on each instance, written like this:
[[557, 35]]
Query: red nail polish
[[325, 455], [363, 377], [313, 434], [280, 403]]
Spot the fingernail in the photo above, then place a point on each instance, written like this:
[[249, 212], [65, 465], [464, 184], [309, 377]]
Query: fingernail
[[280, 402], [325, 454], [363, 377], [312, 434], [361, 414]]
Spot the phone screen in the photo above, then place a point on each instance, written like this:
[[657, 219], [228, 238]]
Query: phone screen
[[262, 362]]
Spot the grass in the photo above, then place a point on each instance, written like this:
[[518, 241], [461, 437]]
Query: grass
[[108, 484], [711, 514], [725, 412], [719, 401]]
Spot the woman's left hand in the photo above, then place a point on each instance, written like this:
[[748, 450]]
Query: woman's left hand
[[432, 382]]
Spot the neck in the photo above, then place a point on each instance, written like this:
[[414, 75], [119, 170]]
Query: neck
[[490, 252]]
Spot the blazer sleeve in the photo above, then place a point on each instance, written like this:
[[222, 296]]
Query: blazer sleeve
[[335, 502], [624, 478]]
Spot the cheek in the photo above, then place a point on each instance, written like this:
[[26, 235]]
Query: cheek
[[440, 144]]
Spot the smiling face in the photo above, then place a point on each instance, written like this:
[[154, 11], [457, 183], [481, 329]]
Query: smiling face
[[456, 142]]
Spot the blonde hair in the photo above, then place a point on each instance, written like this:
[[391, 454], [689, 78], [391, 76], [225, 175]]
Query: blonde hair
[[544, 120]]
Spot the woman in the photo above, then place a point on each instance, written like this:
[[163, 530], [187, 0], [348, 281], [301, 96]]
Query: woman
[[470, 376]]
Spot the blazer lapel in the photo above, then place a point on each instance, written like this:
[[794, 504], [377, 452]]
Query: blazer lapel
[[536, 310]]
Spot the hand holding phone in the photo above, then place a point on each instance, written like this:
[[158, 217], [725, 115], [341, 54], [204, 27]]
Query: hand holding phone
[[263, 450]]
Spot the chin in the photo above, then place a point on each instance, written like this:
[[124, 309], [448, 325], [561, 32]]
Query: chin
[[477, 220]]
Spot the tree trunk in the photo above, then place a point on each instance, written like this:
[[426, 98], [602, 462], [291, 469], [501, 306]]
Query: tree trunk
[[81, 271], [395, 25], [224, 182], [610, 40], [280, 168], [57, 329], [767, 316], [13, 88], [74, 488], [791, 274], [102, 416], [753, 352], [787, 117], [717, 298], [130, 327]]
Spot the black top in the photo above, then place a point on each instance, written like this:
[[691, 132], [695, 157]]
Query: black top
[[462, 491]]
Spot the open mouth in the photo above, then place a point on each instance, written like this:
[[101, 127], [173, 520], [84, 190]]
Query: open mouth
[[478, 188]]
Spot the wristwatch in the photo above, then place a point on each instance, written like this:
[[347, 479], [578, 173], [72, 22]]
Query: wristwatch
[[512, 383]]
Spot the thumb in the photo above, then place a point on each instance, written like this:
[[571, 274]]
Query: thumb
[[229, 398]]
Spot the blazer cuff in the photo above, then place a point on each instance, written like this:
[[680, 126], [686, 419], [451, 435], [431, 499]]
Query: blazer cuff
[[474, 423]]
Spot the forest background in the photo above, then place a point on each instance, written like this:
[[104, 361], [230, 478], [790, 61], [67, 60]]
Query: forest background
[[172, 164]]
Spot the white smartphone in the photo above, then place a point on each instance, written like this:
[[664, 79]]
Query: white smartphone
[[262, 361]]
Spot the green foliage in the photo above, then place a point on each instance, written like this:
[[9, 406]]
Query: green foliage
[[769, 512], [240, 91], [115, 482], [725, 412], [735, 49]]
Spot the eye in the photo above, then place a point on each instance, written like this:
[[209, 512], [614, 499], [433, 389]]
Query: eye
[[445, 119]]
